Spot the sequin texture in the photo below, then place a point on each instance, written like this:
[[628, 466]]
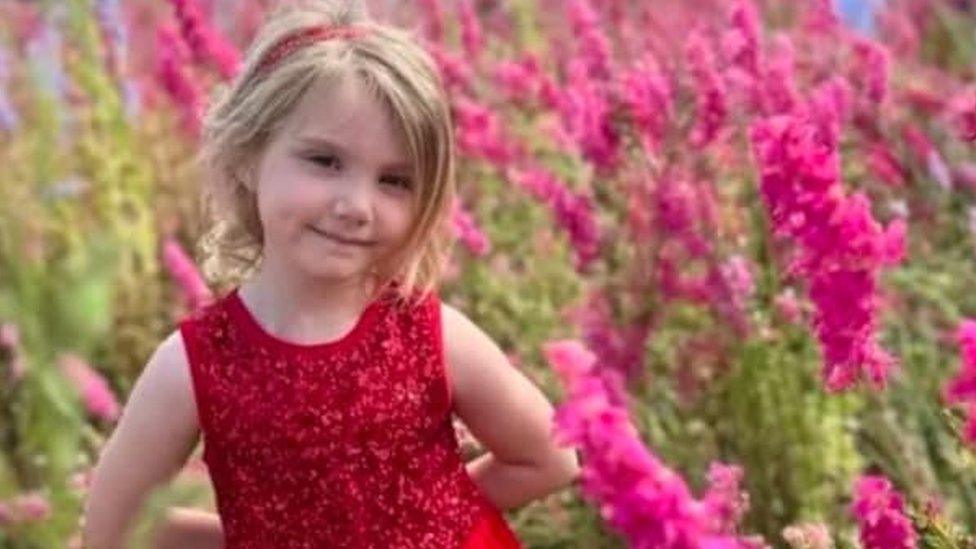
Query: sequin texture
[[341, 444]]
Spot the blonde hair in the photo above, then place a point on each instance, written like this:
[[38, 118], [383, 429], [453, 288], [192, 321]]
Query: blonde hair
[[246, 114]]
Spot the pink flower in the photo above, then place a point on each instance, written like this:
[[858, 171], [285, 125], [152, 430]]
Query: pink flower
[[196, 294], [742, 56], [885, 165], [586, 112], [927, 155], [618, 347], [842, 248], [731, 284], [741, 42], [711, 109], [788, 306], [870, 69], [828, 106], [26, 507], [821, 17], [94, 390], [964, 174], [962, 388], [9, 336], [963, 114], [80, 481], [32, 507], [205, 41], [574, 212], [455, 72], [927, 101], [647, 95], [468, 231], [518, 80], [677, 211], [972, 221], [636, 493], [880, 514], [433, 15], [481, 133], [177, 81], [593, 44], [6, 514], [471, 35], [10, 350], [725, 500], [899, 31], [779, 94]]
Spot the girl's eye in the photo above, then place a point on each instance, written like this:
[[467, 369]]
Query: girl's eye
[[329, 161], [398, 182]]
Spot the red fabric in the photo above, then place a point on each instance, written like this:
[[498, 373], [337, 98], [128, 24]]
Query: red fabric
[[491, 532], [346, 443]]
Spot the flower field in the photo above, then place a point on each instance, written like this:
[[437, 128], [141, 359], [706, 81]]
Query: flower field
[[734, 242]]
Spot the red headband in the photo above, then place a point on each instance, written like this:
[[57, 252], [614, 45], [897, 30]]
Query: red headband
[[303, 38]]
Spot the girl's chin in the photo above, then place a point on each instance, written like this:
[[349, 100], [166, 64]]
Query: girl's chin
[[338, 268]]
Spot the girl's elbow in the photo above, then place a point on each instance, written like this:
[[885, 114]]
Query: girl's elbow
[[96, 531], [566, 468], [574, 467], [95, 536], [107, 515]]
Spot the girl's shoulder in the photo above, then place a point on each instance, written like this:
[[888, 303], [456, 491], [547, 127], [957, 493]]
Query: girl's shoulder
[[168, 370]]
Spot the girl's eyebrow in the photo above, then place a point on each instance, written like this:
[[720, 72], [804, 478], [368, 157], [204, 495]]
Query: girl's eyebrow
[[320, 142]]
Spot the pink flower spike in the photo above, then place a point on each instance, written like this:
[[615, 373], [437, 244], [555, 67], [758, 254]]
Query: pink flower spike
[[91, 386], [963, 114], [433, 19], [185, 273], [841, 247], [636, 493], [467, 230], [711, 109], [962, 388], [32, 507], [570, 358], [788, 306], [471, 34], [24, 508], [10, 347], [880, 513], [519, 80], [179, 83], [205, 41], [725, 501], [6, 514]]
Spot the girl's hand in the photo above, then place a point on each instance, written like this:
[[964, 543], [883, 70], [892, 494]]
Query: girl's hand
[[184, 528]]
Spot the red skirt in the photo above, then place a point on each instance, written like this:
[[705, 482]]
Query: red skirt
[[491, 532]]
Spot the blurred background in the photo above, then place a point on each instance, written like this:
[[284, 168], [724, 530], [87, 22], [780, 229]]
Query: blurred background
[[753, 221]]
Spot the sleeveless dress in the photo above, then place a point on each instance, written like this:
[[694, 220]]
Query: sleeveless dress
[[347, 443]]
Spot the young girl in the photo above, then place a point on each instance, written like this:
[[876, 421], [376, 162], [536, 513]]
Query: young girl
[[324, 384]]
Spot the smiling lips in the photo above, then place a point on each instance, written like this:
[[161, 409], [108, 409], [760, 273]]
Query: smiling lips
[[342, 240]]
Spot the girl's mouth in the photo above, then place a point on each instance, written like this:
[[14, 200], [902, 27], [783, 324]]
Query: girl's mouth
[[341, 240]]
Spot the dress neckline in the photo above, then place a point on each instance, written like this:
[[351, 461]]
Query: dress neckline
[[240, 312]]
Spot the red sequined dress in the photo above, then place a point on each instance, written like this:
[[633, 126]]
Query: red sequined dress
[[347, 443]]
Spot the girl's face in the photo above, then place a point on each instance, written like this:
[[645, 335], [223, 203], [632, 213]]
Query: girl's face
[[334, 187]]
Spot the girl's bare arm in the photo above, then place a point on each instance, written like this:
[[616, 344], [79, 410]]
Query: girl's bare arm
[[508, 414], [188, 529], [156, 433]]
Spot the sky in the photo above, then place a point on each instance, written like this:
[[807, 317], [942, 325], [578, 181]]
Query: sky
[[857, 13]]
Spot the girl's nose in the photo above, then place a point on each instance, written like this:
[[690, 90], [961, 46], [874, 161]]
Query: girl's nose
[[352, 205]]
